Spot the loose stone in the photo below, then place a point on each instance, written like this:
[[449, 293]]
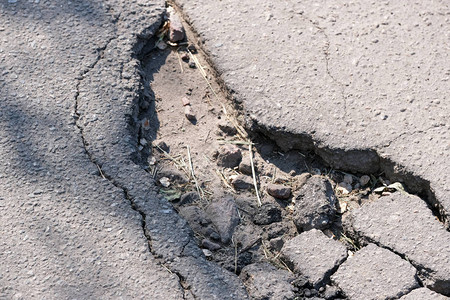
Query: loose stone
[[229, 156], [242, 182], [176, 30], [210, 245], [364, 180], [279, 191]]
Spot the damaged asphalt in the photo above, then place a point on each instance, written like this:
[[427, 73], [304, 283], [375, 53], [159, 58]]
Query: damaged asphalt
[[81, 219]]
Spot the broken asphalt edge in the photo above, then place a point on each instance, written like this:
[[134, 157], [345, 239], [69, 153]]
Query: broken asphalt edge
[[365, 160], [110, 142]]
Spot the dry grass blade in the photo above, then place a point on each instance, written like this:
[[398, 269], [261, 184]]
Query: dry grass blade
[[179, 61], [254, 175], [235, 142], [101, 172], [225, 182], [199, 190], [180, 164], [204, 75]]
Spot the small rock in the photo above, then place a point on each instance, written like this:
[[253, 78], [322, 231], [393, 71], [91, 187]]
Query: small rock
[[151, 161], [245, 167], [279, 191], [224, 215], [210, 245], [229, 156], [315, 206], [226, 127], [207, 253], [192, 65], [176, 30], [185, 57], [242, 182], [161, 45], [189, 113], [165, 182], [364, 180], [344, 188], [214, 235], [348, 179], [185, 101], [161, 145], [192, 48], [268, 213]]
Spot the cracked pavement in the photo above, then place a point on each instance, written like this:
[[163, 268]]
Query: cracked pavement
[[363, 85], [80, 219], [66, 232]]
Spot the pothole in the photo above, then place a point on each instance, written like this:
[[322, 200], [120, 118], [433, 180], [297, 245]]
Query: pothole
[[191, 142]]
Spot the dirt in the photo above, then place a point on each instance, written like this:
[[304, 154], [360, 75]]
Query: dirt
[[181, 152]]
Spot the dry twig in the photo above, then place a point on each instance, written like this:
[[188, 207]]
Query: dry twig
[[199, 190], [254, 175]]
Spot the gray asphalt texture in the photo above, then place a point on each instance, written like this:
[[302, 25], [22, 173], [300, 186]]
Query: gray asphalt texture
[[79, 218], [364, 85]]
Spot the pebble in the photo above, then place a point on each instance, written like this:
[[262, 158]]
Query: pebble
[[348, 179], [185, 57], [245, 166], [344, 188], [176, 30], [152, 161], [161, 45], [229, 156], [189, 113], [242, 182], [165, 182], [279, 191], [207, 252], [185, 101], [210, 245], [192, 48], [364, 180]]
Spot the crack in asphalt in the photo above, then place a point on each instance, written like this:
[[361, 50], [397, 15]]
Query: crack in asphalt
[[76, 115], [326, 52]]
